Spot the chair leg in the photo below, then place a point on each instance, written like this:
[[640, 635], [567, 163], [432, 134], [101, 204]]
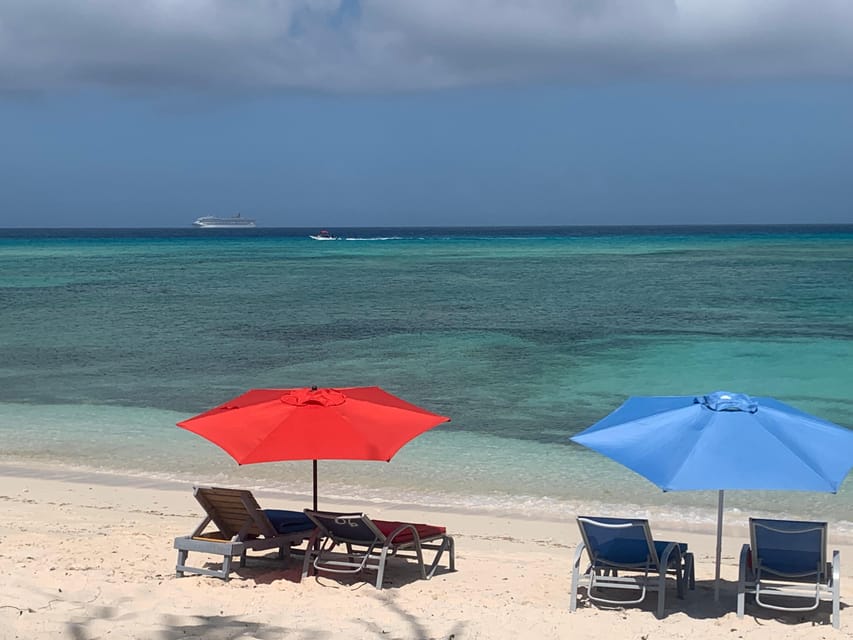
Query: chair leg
[[573, 593], [836, 609], [420, 554], [836, 589], [661, 593], [306, 563], [310, 552], [741, 580], [680, 578], [446, 545], [182, 560], [576, 576], [226, 566], [690, 571], [380, 573]]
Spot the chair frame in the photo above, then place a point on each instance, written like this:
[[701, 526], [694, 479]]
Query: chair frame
[[242, 526], [823, 583], [368, 554], [648, 575]]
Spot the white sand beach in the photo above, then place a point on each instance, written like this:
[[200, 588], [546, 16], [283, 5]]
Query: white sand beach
[[87, 557]]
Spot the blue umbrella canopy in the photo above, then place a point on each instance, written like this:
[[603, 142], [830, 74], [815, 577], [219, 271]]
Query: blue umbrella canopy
[[721, 441]]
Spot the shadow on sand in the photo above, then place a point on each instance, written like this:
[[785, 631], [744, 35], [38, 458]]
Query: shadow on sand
[[699, 604]]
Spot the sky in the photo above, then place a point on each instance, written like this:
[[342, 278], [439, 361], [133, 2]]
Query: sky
[[324, 113]]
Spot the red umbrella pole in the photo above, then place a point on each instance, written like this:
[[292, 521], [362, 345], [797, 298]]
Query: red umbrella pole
[[315, 485]]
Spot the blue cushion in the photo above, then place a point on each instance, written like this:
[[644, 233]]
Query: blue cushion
[[288, 521]]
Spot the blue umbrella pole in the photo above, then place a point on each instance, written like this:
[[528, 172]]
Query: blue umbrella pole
[[719, 545]]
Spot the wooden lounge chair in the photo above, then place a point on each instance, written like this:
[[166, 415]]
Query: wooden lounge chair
[[241, 526], [785, 567], [623, 555], [368, 544]]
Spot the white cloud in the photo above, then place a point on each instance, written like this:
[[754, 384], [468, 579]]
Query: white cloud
[[234, 45]]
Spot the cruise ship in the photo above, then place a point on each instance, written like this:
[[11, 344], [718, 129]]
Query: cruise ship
[[234, 222]]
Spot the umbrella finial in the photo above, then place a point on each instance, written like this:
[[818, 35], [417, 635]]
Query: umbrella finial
[[313, 387], [313, 396], [728, 401]]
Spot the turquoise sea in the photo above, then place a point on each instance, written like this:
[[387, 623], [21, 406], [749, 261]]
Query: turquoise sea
[[524, 336]]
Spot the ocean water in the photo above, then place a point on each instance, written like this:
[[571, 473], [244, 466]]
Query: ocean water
[[523, 336]]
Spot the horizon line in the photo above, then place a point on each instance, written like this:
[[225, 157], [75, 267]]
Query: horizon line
[[450, 226]]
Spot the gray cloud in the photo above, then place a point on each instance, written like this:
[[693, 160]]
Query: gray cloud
[[346, 45]]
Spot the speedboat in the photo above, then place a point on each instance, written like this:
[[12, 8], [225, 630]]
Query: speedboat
[[324, 235]]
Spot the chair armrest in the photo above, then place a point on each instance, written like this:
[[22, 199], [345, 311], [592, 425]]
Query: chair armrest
[[576, 576], [836, 566], [743, 563], [578, 554], [416, 539], [667, 551]]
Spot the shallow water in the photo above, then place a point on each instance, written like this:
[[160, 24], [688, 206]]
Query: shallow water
[[523, 336]]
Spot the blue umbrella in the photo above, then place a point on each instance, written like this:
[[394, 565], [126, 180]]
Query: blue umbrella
[[723, 441]]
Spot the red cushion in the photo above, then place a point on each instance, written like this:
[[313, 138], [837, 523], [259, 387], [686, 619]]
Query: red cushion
[[424, 530]]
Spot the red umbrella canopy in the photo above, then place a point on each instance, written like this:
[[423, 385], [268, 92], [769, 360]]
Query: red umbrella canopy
[[358, 423]]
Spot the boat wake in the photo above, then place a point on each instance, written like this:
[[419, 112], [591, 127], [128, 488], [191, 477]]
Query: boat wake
[[377, 239]]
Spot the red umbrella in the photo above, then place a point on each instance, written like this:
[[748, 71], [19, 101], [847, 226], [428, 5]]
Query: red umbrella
[[359, 423]]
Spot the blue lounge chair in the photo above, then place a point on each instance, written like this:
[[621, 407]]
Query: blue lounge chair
[[785, 562], [240, 526], [623, 555], [368, 544]]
